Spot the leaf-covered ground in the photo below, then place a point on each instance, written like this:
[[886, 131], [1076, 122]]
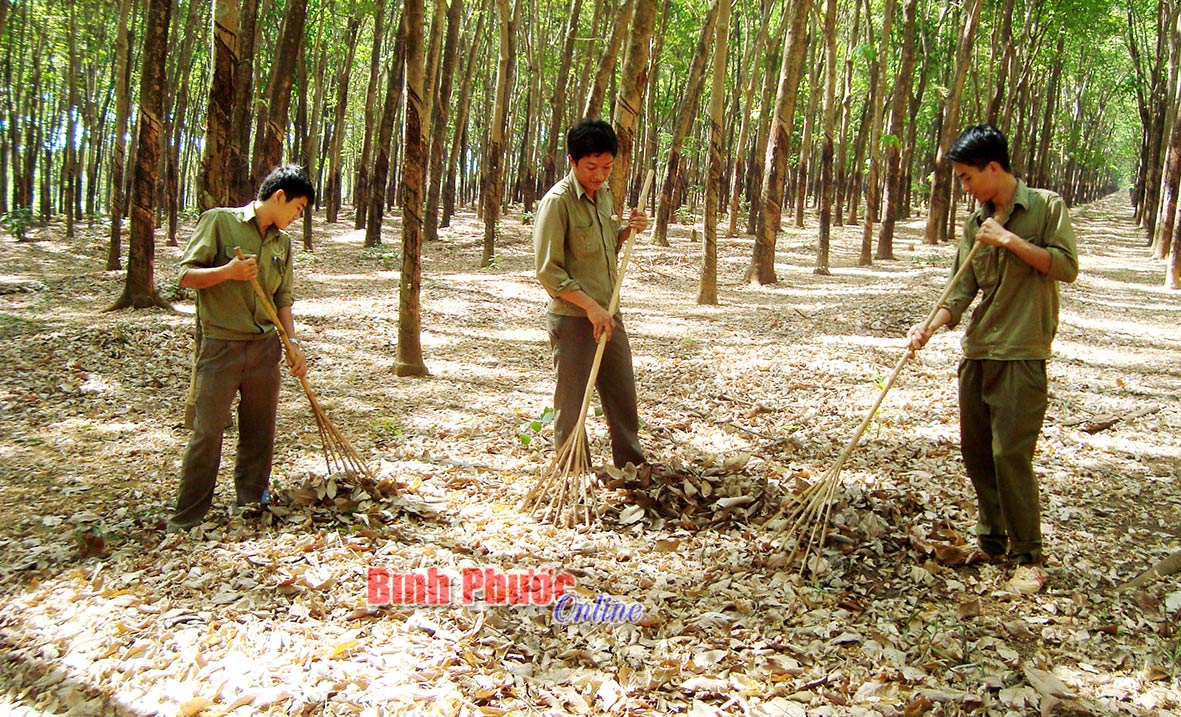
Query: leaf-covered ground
[[743, 404]]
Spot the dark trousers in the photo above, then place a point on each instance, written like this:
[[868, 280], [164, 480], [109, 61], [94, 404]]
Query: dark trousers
[[1002, 405], [226, 368], [573, 342]]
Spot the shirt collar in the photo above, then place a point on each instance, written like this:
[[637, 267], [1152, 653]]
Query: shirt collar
[[246, 214], [1021, 197], [579, 190], [1021, 194]]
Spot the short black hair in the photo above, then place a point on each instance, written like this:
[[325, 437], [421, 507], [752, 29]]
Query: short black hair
[[291, 179], [588, 136], [979, 145]]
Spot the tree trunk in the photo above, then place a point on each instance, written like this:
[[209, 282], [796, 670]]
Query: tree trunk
[[526, 180], [494, 171], [268, 148], [242, 184], [937, 218], [361, 193], [685, 115], [139, 291], [762, 264], [875, 135], [598, 89], [1173, 272], [805, 158], [217, 161], [463, 106], [707, 289], [395, 76], [549, 160], [754, 173], [334, 195], [844, 117], [409, 356], [70, 155], [439, 122], [1172, 178], [175, 120], [826, 153], [119, 141], [434, 50], [894, 186], [311, 140], [750, 67], [630, 100]]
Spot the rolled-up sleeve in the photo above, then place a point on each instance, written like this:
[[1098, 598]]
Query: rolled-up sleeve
[[201, 251], [549, 246], [1060, 242], [966, 288], [285, 294]]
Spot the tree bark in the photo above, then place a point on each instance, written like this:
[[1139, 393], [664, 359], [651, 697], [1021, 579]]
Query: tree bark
[[750, 67], [361, 193], [494, 171], [800, 187], [70, 156], [549, 160], [463, 106], [333, 194], [598, 88], [269, 147], [707, 290], [242, 183], [119, 141], [894, 187], [875, 135], [827, 151], [139, 291], [395, 76], [409, 355], [175, 120], [754, 173], [630, 100], [439, 120], [762, 264], [685, 115], [939, 213], [217, 160], [311, 140]]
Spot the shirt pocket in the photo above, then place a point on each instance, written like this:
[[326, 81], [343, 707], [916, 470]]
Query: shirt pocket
[[275, 269], [984, 266], [585, 240]]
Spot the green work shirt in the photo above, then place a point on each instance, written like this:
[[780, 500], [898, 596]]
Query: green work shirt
[[575, 240], [1018, 313], [230, 310]]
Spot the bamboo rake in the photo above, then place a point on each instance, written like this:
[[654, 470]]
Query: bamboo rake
[[565, 494], [339, 454], [813, 507]]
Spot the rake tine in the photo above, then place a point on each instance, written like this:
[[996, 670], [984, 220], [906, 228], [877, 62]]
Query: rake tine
[[571, 468], [815, 508], [337, 450]]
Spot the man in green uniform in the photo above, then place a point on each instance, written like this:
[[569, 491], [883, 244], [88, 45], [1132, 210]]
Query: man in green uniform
[[1028, 247], [240, 348], [576, 241]]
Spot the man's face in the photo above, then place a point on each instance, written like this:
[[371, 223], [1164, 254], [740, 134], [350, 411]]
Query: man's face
[[983, 184], [287, 211], [593, 170]]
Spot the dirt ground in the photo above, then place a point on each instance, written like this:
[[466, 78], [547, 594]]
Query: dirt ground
[[743, 404]]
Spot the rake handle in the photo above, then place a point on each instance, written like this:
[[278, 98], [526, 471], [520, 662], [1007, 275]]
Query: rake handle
[[955, 279], [611, 308], [284, 339]]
